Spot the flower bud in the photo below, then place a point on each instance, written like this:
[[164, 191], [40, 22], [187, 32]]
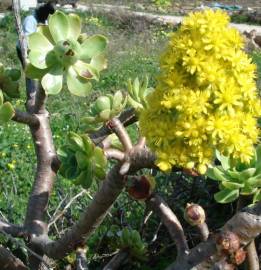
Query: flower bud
[[194, 214], [238, 257], [228, 242], [141, 187]]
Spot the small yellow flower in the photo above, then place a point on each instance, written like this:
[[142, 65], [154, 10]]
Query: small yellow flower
[[205, 97]]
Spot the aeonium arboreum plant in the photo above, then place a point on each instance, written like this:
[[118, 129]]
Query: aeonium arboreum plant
[[82, 161], [105, 108], [9, 81], [58, 52], [6, 110], [137, 93], [237, 178]]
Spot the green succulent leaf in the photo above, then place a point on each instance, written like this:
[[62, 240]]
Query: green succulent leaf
[[86, 71], [105, 115], [38, 58], [93, 46], [82, 160], [1, 98], [99, 62], [223, 160], [257, 196], [35, 73], [99, 157], [76, 142], [218, 174], [6, 112], [232, 185], [52, 82], [85, 179], [233, 174], [44, 30], [102, 103], [117, 100], [38, 42], [244, 175], [254, 182], [77, 85], [59, 26], [74, 26], [248, 190], [226, 195]]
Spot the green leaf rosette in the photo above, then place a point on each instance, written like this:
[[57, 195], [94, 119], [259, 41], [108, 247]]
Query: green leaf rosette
[[82, 161], [105, 108], [237, 178], [130, 240], [137, 93], [6, 110], [9, 81], [58, 54]]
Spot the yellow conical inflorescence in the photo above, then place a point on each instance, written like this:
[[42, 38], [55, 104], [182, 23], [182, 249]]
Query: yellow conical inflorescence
[[206, 96]]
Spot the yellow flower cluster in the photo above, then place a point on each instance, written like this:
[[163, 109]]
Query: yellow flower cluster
[[205, 98]]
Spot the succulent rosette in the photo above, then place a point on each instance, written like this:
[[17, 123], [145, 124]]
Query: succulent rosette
[[9, 81], [105, 108], [57, 53], [6, 110]]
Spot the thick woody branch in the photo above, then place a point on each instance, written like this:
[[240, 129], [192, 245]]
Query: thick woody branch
[[25, 118], [204, 231], [169, 219], [47, 166], [127, 118], [9, 262], [96, 211], [14, 230], [116, 262], [112, 153], [117, 127], [246, 224]]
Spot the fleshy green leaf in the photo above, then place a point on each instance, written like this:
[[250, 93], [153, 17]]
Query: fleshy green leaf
[[232, 185], [58, 26], [35, 73], [6, 112], [1, 98], [74, 26], [224, 160], [254, 181], [44, 30], [82, 160], [99, 157], [86, 71], [257, 196], [244, 175], [52, 82], [226, 195], [102, 103], [38, 42], [77, 85], [93, 46], [38, 58], [85, 178], [105, 115], [117, 100], [99, 62]]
